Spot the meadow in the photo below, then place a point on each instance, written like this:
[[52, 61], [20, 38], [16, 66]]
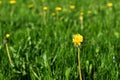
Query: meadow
[[39, 39]]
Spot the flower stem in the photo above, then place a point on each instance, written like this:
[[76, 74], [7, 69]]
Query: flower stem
[[8, 53], [79, 68], [44, 17], [81, 21]]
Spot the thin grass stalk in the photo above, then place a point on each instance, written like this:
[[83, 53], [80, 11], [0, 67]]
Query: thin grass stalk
[[35, 74]]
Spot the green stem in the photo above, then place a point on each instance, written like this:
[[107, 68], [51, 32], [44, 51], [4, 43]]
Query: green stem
[[8, 53], [79, 68], [44, 17]]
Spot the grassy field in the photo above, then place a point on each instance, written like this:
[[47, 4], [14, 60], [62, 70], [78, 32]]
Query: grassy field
[[40, 42]]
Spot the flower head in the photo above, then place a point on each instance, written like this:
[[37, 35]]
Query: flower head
[[12, 1], [43, 1], [7, 36], [72, 7], [0, 2], [89, 11], [77, 39], [81, 13], [58, 8], [81, 18], [109, 4], [53, 14], [31, 6], [45, 8]]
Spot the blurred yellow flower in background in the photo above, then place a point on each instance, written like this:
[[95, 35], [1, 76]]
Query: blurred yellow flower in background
[[58, 8], [81, 13], [89, 12], [77, 39], [81, 18], [45, 8], [31, 6], [109, 4], [72, 7], [7, 36], [53, 14], [12, 1], [43, 1], [0, 2]]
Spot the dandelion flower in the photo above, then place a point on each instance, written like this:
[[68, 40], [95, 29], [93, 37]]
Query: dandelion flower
[[45, 8], [7, 36], [0, 2], [53, 14], [58, 8], [77, 39], [89, 12], [109, 4], [12, 1], [81, 13], [31, 6], [81, 18], [72, 7], [43, 1]]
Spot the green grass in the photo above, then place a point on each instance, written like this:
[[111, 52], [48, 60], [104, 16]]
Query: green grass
[[41, 45]]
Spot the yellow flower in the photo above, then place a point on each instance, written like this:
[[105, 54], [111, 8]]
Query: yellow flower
[[72, 6], [0, 2], [31, 6], [43, 1], [53, 14], [81, 13], [89, 12], [58, 8], [45, 8], [77, 39], [7, 36], [109, 4], [81, 18], [12, 1]]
